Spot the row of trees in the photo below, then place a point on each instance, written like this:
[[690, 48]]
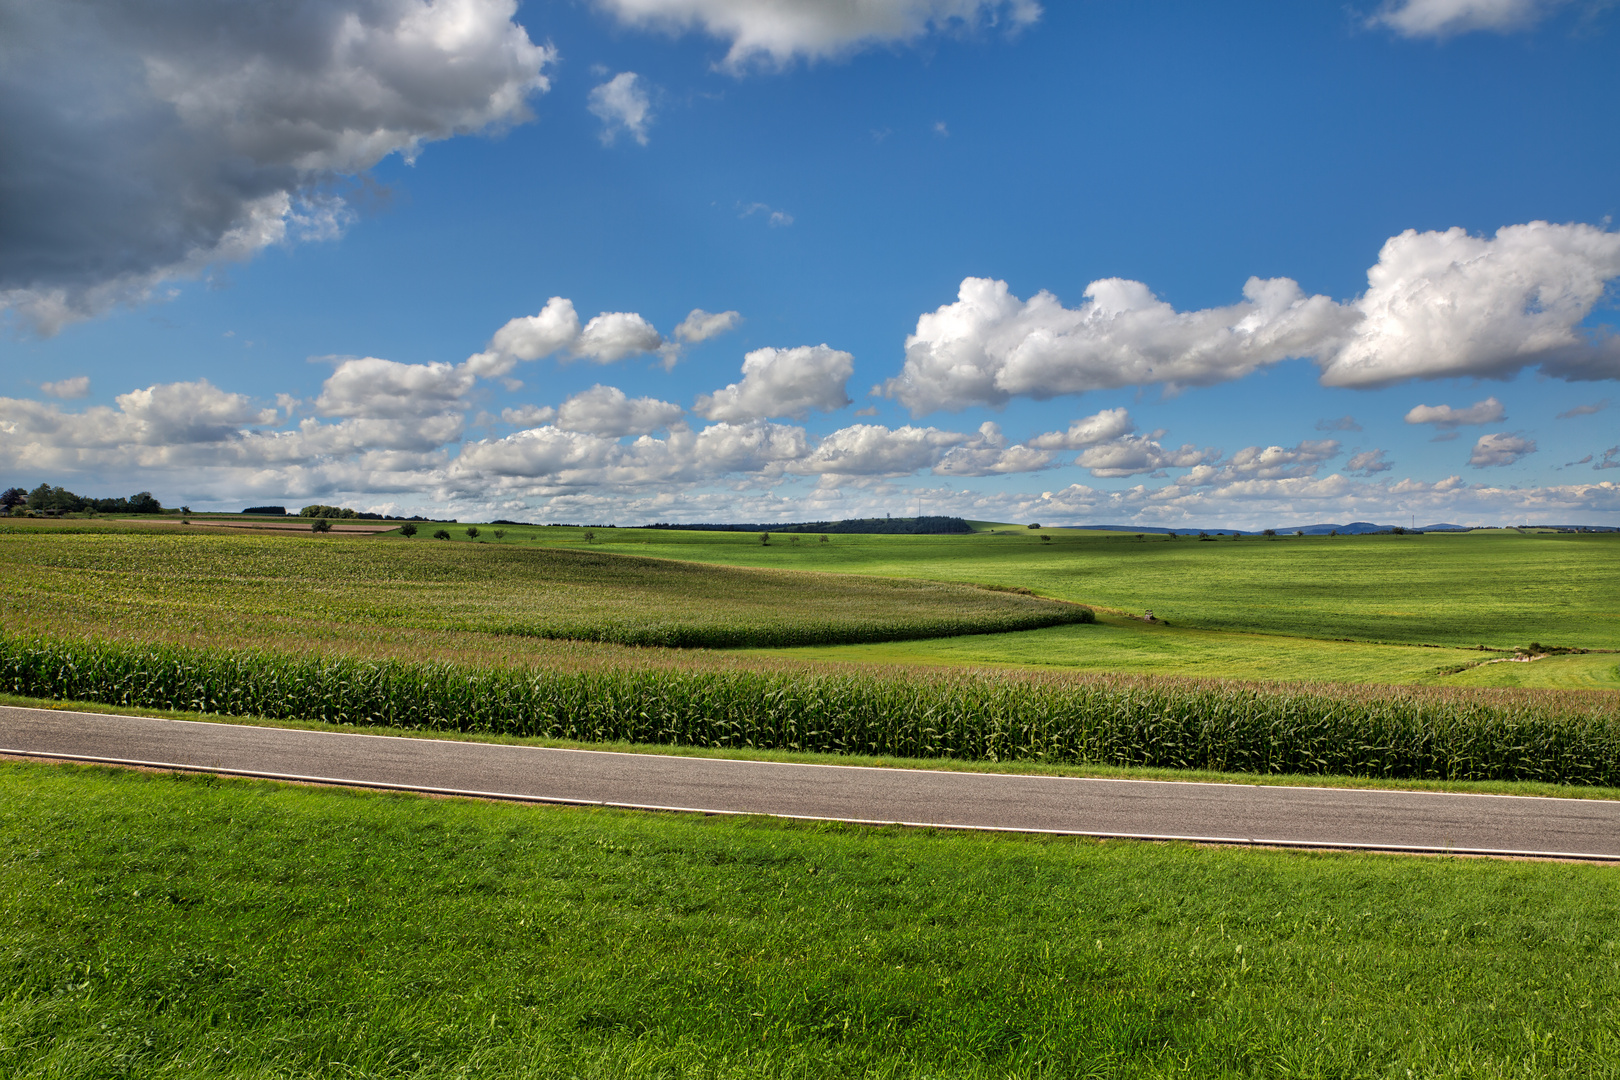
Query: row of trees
[[46, 499]]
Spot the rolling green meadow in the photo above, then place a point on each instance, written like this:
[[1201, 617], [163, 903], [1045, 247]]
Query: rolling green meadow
[[156, 925]]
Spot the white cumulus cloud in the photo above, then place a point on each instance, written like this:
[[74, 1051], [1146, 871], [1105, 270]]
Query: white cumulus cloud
[[990, 346], [702, 325], [1445, 18], [150, 139], [875, 450], [69, 389], [609, 337], [988, 454], [1134, 454], [1444, 304], [783, 382], [778, 31], [1438, 305], [623, 106], [608, 411], [1489, 411], [1367, 462], [1500, 449], [1100, 427], [384, 389], [615, 335]]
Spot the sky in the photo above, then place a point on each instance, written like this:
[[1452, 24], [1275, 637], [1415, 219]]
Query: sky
[[1079, 262]]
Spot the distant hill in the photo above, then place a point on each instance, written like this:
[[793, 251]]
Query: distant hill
[[913, 526]]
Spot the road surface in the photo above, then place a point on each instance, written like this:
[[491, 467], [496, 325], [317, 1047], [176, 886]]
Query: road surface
[[1220, 813]]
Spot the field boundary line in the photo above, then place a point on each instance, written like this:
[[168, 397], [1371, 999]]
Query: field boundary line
[[1237, 841]]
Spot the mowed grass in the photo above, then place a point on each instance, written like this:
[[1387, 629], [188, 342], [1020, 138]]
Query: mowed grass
[[242, 589], [163, 926], [1498, 588]]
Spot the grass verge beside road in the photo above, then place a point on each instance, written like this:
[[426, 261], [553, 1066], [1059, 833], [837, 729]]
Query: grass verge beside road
[[190, 926]]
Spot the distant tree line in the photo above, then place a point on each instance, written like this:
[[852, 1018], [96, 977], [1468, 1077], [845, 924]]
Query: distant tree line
[[334, 513], [46, 499], [912, 526]]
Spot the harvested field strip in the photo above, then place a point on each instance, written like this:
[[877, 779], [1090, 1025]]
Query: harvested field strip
[[1567, 738]]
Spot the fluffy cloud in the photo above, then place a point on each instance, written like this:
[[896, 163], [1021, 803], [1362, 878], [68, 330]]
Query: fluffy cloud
[[1489, 411], [1367, 462], [1134, 454], [529, 415], [874, 450], [1444, 18], [701, 325], [989, 455], [606, 411], [783, 382], [150, 139], [1444, 304], [383, 389], [1500, 449], [1266, 463], [1438, 305], [70, 389], [990, 346], [614, 335], [1100, 427], [609, 337], [781, 30], [623, 106]]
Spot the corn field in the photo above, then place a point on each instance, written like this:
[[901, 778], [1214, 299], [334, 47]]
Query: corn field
[[1230, 727]]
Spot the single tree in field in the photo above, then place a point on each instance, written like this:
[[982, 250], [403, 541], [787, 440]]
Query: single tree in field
[[823, 538], [441, 534], [408, 529], [765, 538], [321, 525], [499, 533], [472, 532]]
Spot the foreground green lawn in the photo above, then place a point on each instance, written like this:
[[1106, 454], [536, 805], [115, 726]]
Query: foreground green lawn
[[174, 927]]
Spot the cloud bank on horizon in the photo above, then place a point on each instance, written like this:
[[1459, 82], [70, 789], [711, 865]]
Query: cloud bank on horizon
[[166, 139]]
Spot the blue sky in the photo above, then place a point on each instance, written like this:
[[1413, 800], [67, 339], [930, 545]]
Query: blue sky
[[307, 259]]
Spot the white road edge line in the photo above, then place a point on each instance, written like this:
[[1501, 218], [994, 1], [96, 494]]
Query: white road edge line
[[1326, 845]]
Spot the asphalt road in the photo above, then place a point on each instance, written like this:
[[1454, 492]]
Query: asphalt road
[[1223, 813]]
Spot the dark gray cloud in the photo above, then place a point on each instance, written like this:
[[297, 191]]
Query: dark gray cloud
[[147, 139]]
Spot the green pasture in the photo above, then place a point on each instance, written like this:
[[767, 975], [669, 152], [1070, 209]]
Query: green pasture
[[1497, 588], [235, 587], [173, 927], [1386, 608]]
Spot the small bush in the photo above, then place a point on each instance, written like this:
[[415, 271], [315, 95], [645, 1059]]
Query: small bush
[[441, 534], [320, 525]]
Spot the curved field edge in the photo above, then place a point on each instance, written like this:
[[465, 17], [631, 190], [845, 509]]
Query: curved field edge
[[228, 586], [1410, 733]]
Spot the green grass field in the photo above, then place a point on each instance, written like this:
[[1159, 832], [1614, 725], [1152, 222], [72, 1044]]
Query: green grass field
[[1313, 608], [174, 927], [1381, 609]]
